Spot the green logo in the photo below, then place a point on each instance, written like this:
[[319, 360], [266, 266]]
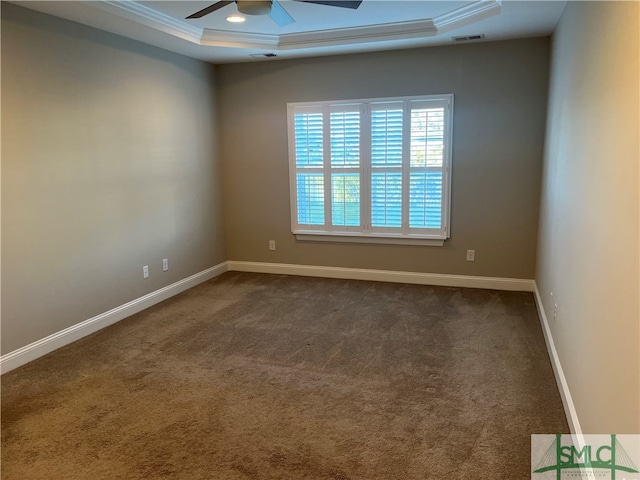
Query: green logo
[[590, 457]]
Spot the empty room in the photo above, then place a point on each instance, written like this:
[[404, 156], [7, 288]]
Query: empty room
[[297, 239]]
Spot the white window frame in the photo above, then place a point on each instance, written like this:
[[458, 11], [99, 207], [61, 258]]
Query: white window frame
[[365, 232]]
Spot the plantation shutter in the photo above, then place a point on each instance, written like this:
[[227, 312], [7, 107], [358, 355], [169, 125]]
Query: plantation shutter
[[386, 165], [427, 165], [309, 155], [345, 166], [371, 169]]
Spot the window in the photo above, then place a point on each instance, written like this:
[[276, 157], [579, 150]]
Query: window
[[371, 170]]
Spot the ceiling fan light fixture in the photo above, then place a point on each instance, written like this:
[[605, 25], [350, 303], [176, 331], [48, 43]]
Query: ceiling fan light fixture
[[236, 18], [254, 7]]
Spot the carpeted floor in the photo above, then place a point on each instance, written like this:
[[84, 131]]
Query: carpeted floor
[[252, 376]]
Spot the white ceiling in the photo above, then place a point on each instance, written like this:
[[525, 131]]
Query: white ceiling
[[318, 29]]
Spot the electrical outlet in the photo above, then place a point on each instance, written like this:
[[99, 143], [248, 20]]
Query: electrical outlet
[[145, 271], [272, 244], [555, 312], [165, 264], [471, 255]]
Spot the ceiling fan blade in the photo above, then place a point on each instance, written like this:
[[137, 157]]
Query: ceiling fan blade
[[353, 4], [279, 15], [210, 8]]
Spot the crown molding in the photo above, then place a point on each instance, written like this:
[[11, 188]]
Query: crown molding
[[223, 38], [471, 13], [355, 35], [410, 30], [139, 13]]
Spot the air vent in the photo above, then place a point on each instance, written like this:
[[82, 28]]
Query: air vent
[[264, 55], [468, 38]]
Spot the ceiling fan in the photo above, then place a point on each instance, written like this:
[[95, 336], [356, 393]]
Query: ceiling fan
[[273, 8]]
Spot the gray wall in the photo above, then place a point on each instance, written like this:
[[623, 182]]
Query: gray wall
[[500, 93], [589, 225], [108, 163]]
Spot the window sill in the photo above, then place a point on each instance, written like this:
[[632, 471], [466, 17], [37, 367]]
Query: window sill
[[376, 239]]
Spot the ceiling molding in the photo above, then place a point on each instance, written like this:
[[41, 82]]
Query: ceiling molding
[[139, 13], [468, 14], [417, 29], [223, 38], [355, 35]]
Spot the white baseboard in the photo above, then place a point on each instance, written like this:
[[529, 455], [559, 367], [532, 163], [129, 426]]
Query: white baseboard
[[492, 283], [64, 337], [563, 387]]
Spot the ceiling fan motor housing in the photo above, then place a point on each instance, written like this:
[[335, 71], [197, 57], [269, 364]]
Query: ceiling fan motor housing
[[254, 7]]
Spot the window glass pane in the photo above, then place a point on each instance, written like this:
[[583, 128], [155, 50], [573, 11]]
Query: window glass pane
[[345, 192], [308, 139], [386, 199], [386, 136], [425, 199], [345, 139], [310, 191], [427, 137]]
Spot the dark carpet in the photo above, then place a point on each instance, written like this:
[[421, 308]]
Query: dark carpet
[[252, 376]]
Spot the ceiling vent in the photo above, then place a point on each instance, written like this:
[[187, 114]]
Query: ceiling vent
[[264, 55], [468, 38]]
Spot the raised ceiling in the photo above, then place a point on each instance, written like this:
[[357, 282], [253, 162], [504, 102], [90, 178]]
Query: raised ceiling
[[317, 30]]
